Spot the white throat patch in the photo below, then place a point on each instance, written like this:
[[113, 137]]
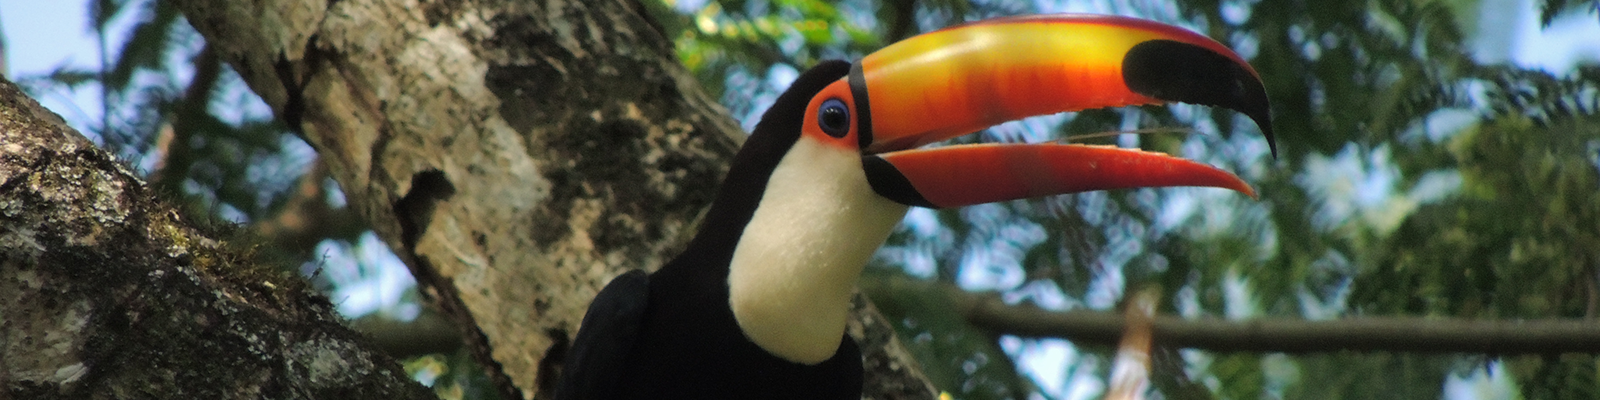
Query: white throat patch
[[794, 268]]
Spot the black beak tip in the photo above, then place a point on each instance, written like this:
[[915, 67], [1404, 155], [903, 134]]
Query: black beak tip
[[1266, 130], [1182, 72], [1263, 119]]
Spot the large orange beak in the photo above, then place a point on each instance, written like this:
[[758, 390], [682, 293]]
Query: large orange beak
[[959, 80]]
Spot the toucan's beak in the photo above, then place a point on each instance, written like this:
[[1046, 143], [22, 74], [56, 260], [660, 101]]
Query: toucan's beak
[[959, 80]]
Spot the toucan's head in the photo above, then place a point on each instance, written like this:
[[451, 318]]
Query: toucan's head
[[833, 164], [959, 80]]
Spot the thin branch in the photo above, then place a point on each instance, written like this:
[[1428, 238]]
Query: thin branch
[[429, 333], [1396, 334]]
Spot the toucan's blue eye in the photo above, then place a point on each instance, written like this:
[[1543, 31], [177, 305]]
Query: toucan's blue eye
[[834, 118]]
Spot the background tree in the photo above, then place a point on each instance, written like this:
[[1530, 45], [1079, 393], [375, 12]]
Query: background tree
[[1413, 179]]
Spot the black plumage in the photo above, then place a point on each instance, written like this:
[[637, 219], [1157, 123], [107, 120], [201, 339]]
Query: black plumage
[[672, 334]]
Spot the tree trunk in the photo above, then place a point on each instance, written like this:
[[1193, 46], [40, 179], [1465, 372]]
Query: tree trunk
[[517, 155], [107, 293]]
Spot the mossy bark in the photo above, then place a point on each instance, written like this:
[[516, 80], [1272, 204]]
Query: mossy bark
[[105, 292]]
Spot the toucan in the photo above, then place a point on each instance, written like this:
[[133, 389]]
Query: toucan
[[755, 307]]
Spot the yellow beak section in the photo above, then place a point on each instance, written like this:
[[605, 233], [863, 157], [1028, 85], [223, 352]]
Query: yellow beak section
[[963, 79], [966, 78]]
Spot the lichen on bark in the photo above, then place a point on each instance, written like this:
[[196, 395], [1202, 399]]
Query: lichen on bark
[[108, 292]]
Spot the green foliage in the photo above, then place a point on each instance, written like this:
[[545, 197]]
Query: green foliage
[[147, 45], [1569, 376], [751, 36], [1490, 216], [1412, 180], [1550, 9], [192, 134], [452, 376], [1370, 376], [1519, 240], [939, 338]]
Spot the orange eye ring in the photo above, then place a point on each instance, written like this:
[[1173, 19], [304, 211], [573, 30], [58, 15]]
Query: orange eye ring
[[833, 118]]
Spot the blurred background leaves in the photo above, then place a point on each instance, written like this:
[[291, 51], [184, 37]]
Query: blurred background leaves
[[1421, 173]]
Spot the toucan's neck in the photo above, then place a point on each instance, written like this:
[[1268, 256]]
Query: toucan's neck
[[786, 243], [792, 226], [794, 268]]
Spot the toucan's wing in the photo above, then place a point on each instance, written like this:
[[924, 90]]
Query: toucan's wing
[[595, 362]]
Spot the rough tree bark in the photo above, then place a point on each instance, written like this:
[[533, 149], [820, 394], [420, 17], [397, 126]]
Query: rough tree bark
[[107, 293], [516, 155]]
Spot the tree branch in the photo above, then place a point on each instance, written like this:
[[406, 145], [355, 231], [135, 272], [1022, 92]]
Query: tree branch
[[1396, 334], [106, 292], [516, 155], [430, 333]]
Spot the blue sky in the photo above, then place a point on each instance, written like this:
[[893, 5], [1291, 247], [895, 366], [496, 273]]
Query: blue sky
[[41, 35]]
